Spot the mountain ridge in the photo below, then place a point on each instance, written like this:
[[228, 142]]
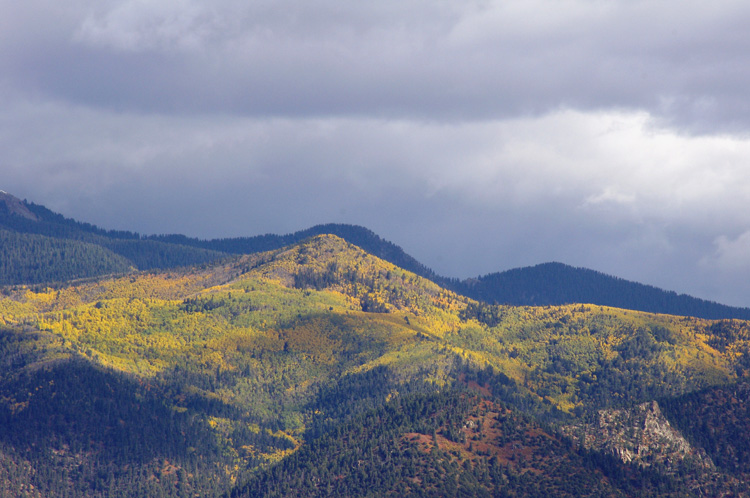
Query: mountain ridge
[[556, 283], [543, 284], [14, 205]]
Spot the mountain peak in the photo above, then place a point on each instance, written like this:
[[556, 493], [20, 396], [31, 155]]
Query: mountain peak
[[14, 205]]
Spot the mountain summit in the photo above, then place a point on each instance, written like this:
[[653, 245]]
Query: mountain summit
[[15, 206]]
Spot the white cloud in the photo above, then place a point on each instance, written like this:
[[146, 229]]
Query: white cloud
[[584, 159], [141, 25], [566, 160], [414, 59], [609, 195], [731, 254]]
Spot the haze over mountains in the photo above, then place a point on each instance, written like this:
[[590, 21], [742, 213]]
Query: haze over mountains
[[68, 242]]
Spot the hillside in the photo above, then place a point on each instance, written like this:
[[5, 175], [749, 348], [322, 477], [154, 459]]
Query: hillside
[[266, 365], [540, 285], [466, 446]]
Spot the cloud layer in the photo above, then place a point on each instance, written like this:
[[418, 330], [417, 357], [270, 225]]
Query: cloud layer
[[683, 61], [478, 135]]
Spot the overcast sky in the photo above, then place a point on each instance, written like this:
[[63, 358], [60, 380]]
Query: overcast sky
[[478, 135]]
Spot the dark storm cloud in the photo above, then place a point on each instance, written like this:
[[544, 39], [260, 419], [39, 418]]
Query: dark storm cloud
[[684, 62], [478, 135]]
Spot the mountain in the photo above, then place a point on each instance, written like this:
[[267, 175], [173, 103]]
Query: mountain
[[31, 233], [32, 230], [540, 285], [319, 369]]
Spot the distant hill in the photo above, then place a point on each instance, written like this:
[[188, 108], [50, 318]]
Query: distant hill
[[41, 246], [116, 249], [556, 283], [541, 285]]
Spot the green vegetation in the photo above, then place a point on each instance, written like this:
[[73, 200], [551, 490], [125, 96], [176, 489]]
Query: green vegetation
[[44, 247], [449, 444], [716, 419], [36, 258], [73, 429]]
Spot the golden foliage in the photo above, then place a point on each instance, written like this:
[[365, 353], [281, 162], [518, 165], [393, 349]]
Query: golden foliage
[[263, 332]]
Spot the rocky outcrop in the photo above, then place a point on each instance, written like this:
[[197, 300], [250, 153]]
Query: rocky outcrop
[[13, 205], [641, 435]]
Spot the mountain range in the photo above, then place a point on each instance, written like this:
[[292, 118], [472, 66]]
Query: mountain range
[[27, 229], [330, 363]]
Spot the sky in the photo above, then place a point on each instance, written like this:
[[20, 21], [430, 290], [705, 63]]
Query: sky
[[479, 136]]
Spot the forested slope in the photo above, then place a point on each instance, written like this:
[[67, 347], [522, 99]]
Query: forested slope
[[556, 283], [338, 372], [30, 258], [39, 246]]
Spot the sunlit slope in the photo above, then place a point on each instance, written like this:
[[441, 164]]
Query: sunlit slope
[[285, 321], [238, 345], [585, 355], [244, 331]]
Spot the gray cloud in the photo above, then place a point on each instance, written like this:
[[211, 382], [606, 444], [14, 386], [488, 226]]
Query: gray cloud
[[430, 60], [480, 136]]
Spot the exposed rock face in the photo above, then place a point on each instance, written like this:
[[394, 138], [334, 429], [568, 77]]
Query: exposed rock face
[[641, 435], [15, 206]]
